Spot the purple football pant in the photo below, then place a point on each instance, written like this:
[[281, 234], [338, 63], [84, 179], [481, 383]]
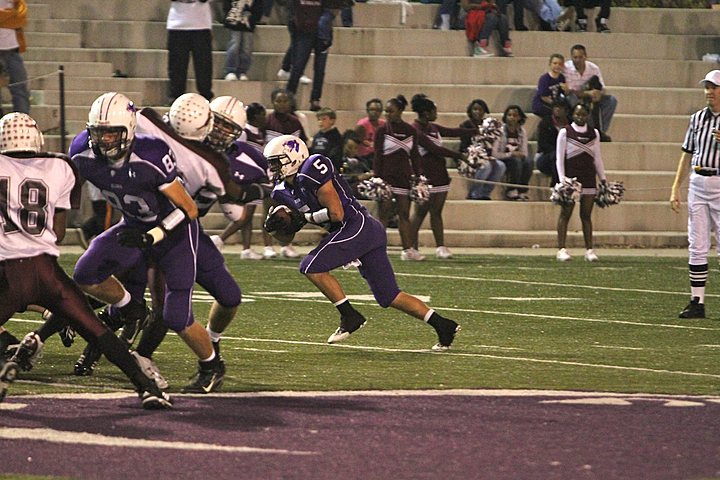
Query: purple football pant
[[213, 275], [364, 238], [175, 257]]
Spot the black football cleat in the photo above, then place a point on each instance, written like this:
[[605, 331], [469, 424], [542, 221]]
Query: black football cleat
[[348, 324], [209, 378], [88, 361], [27, 351], [694, 309], [152, 398], [135, 316], [446, 330]]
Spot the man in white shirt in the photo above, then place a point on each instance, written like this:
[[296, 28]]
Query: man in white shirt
[[189, 25], [587, 85], [13, 16]]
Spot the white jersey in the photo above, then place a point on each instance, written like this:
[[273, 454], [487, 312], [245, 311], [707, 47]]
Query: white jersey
[[31, 189], [201, 178]]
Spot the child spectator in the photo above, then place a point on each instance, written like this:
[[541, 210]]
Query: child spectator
[[511, 148], [241, 16], [328, 141], [551, 85]]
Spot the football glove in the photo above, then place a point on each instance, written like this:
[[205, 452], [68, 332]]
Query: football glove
[[134, 238], [286, 223]]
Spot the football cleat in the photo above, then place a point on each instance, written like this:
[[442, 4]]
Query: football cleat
[[8, 345], [446, 331], [155, 399], [88, 361], [136, 316], [694, 309], [150, 369], [8, 374], [209, 378], [67, 336], [348, 324], [28, 351]]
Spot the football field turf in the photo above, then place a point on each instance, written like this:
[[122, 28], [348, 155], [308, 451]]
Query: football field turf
[[528, 322]]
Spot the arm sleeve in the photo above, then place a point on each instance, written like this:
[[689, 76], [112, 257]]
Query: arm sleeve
[[597, 159], [560, 153]]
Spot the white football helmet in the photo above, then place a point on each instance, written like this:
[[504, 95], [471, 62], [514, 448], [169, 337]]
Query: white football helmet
[[285, 154], [20, 133], [229, 119], [191, 117], [111, 125]]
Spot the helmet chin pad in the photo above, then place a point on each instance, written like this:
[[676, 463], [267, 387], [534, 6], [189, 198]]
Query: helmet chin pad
[[109, 142]]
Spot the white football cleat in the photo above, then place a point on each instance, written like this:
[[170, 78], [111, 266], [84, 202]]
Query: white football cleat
[[288, 251], [443, 252], [249, 254]]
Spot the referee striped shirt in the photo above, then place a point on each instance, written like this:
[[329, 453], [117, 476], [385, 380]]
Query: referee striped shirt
[[699, 139]]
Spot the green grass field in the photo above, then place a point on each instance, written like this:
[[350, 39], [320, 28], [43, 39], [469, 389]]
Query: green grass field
[[528, 323]]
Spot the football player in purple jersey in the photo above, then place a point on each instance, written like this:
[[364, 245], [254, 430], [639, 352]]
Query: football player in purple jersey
[[138, 175], [36, 190], [310, 190]]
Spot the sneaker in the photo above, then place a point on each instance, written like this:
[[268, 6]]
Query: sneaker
[[443, 252], [28, 351], [446, 332], [288, 251], [412, 255], [249, 254], [155, 399], [694, 309], [315, 105], [562, 255], [283, 75], [217, 241], [87, 361], [590, 256], [524, 197], [305, 80], [481, 52], [347, 326], [231, 76], [581, 25], [269, 252], [512, 194], [8, 374], [507, 49], [243, 77], [209, 378], [148, 367], [601, 26]]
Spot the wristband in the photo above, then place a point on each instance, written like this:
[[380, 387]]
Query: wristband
[[157, 234], [321, 216]]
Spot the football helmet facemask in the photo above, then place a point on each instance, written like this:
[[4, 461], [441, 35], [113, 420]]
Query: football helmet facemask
[[191, 117], [20, 133], [111, 125], [229, 119], [285, 154]]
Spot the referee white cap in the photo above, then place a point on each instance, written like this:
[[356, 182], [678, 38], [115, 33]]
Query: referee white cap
[[712, 77]]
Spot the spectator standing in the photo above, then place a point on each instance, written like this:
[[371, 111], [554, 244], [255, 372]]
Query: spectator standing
[[189, 24], [13, 17], [241, 16], [366, 128], [432, 159], [578, 156], [396, 161], [547, 133], [551, 85], [586, 84], [328, 141], [511, 148], [492, 171], [700, 160]]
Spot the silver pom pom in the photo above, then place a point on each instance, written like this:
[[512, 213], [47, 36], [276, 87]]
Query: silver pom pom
[[609, 193], [420, 190], [567, 192], [374, 188]]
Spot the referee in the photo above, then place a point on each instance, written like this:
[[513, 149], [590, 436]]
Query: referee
[[701, 159]]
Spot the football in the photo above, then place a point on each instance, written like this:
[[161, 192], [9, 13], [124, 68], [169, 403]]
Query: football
[[283, 219]]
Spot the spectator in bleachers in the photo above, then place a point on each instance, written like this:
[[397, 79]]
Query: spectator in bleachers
[[189, 24], [547, 133], [511, 148], [587, 85], [432, 159], [396, 161], [551, 85], [255, 126], [483, 18], [354, 170], [366, 127], [13, 17], [601, 21], [328, 141], [518, 13], [241, 16], [493, 170]]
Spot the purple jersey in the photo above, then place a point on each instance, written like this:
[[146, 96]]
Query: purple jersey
[[247, 165], [133, 187]]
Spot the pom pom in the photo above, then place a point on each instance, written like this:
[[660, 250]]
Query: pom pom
[[374, 188], [567, 192], [609, 193], [420, 190]]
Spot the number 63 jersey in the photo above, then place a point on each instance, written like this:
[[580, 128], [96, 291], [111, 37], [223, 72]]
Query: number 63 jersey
[[31, 191]]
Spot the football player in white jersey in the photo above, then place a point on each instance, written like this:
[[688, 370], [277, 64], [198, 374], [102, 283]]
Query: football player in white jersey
[[36, 190]]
